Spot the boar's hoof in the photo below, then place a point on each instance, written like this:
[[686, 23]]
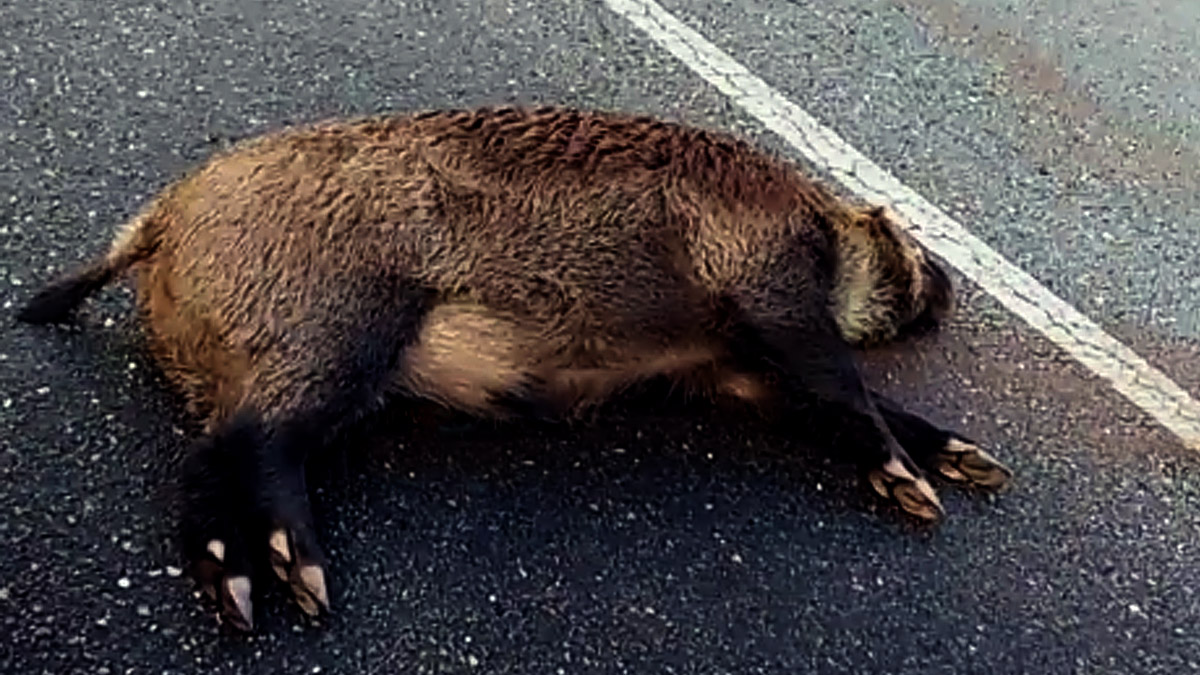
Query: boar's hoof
[[913, 493], [236, 606], [230, 591], [308, 585], [305, 577], [964, 462]]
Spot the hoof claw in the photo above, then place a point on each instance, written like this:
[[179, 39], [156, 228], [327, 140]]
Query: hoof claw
[[964, 462], [216, 548], [914, 494], [280, 553], [297, 566], [236, 606], [308, 586]]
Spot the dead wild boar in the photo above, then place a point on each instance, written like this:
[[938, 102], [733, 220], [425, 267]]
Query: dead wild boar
[[492, 260]]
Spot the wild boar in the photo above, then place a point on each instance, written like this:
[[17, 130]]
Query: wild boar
[[499, 260]]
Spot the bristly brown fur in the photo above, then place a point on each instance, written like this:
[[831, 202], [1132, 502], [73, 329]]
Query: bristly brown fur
[[577, 251], [498, 260]]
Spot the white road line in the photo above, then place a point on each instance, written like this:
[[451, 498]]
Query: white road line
[[1146, 386]]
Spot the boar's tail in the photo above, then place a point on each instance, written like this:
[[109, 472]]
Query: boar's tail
[[137, 241]]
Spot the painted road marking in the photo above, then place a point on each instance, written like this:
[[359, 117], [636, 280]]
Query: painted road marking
[[1146, 386]]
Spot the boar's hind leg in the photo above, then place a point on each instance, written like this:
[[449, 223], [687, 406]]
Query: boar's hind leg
[[950, 455], [246, 501], [784, 325], [245, 504], [216, 501]]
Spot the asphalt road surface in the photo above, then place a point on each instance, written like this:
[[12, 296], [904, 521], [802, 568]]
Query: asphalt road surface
[[666, 537]]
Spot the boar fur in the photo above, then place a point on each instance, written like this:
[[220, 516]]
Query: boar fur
[[498, 260]]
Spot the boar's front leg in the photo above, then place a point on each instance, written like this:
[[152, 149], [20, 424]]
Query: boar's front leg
[[952, 456], [783, 324], [246, 502]]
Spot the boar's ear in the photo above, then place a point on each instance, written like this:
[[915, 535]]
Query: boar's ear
[[869, 217]]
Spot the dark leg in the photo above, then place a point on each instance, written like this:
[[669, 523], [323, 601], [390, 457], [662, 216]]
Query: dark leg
[[294, 554], [216, 486], [951, 455], [246, 499], [784, 325], [245, 487]]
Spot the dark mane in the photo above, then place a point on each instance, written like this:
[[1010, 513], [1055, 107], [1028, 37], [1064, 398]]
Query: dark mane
[[531, 144]]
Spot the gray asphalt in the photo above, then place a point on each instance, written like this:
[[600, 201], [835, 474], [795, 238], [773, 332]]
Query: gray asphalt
[[672, 538]]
